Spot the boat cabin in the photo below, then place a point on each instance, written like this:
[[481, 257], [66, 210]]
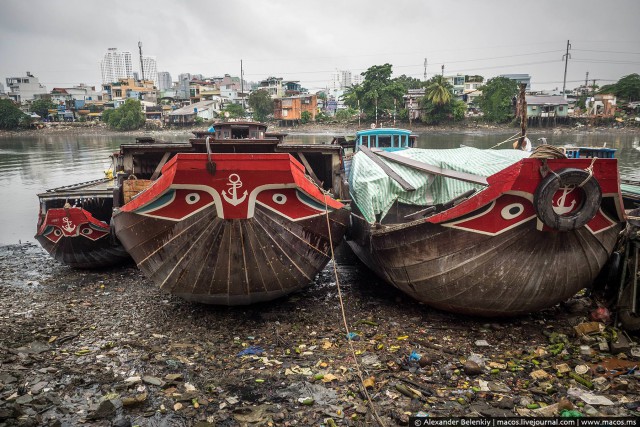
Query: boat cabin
[[238, 137], [140, 163], [385, 138]]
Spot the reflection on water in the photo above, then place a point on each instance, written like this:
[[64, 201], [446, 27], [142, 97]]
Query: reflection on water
[[30, 165]]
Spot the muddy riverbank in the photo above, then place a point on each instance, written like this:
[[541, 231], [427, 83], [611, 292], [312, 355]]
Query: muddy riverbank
[[107, 348]]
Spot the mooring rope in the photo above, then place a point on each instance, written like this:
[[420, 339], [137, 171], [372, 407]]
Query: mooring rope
[[590, 170], [546, 151], [344, 317], [511, 138]]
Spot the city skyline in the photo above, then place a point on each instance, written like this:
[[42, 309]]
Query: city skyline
[[308, 42]]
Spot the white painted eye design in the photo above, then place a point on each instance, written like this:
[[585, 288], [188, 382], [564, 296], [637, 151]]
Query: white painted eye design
[[192, 198], [57, 232], [279, 198], [86, 231], [512, 211]]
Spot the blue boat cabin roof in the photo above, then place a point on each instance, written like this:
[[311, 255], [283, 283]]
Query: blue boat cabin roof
[[385, 138]]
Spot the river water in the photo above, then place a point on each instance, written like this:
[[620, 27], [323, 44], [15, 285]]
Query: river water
[[30, 165]]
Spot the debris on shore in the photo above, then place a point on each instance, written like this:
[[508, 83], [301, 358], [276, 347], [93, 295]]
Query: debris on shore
[[108, 348]]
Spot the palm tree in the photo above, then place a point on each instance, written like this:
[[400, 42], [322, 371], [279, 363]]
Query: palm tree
[[438, 90]]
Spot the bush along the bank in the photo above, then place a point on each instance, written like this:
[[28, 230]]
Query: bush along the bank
[[11, 117], [128, 116]]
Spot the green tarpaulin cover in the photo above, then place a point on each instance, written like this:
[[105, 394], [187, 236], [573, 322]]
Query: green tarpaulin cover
[[374, 192]]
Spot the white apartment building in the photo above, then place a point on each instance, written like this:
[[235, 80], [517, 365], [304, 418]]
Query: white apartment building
[[150, 69], [164, 81], [115, 66], [22, 89]]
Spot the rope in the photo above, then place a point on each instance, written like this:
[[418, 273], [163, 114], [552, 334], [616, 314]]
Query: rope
[[344, 318], [511, 138], [590, 170], [546, 151]]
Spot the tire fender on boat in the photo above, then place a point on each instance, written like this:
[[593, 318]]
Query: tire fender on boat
[[576, 218]]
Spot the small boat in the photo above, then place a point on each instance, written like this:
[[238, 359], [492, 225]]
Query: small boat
[[234, 217], [483, 232], [73, 225]]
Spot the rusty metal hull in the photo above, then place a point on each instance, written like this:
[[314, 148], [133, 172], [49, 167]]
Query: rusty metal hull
[[519, 271], [211, 260]]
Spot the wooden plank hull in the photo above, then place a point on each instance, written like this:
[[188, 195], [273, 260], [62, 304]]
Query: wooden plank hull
[[492, 255], [75, 238], [520, 271], [271, 242]]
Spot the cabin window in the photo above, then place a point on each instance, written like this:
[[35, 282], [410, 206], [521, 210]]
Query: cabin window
[[226, 134], [560, 108], [254, 134], [533, 107], [385, 141]]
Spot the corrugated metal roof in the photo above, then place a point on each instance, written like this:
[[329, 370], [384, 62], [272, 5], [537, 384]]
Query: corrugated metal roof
[[544, 100], [188, 109]]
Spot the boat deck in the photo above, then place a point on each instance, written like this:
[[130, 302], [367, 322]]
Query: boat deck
[[96, 188]]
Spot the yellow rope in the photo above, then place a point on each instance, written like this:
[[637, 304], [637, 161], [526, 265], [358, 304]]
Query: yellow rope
[[344, 318], [511, 138]]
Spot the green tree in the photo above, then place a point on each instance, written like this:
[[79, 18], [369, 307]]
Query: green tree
[[409, 82], [41, 107], [261, 104], [345, 115], [128, 116], [438, 90], [496, 99], [236, 111], [627, 88], [433, 114], [10, 115], [305, 117], [378, 94]]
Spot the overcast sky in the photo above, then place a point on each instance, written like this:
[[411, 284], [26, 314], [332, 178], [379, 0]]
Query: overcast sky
[[62, 42]]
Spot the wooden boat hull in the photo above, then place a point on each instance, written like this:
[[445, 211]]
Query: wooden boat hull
[[75, 238], [258, 230], [491, 255]]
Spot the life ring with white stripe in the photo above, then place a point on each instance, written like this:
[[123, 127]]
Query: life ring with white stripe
[[579, 216]]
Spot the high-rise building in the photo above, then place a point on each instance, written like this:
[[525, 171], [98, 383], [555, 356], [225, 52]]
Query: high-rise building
[[150, 69], [164, 81], [116, 65], [183, 86]]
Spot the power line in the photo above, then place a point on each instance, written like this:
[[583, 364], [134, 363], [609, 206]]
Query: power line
[[607, 51]]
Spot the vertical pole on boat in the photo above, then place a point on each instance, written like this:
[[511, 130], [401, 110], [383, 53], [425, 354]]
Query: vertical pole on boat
[[566, 57], [523, 110]]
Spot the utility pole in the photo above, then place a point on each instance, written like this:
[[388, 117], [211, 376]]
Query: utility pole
[[141, 63], [425, 69], [593, 88], [586, 81], [442, 73], [566, 57]]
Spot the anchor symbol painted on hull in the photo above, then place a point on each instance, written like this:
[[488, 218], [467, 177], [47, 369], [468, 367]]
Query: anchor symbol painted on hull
[[234, 183], [561, 208], [68, 225]]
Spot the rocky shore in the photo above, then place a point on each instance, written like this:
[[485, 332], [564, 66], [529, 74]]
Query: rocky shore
[[107, 348]]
